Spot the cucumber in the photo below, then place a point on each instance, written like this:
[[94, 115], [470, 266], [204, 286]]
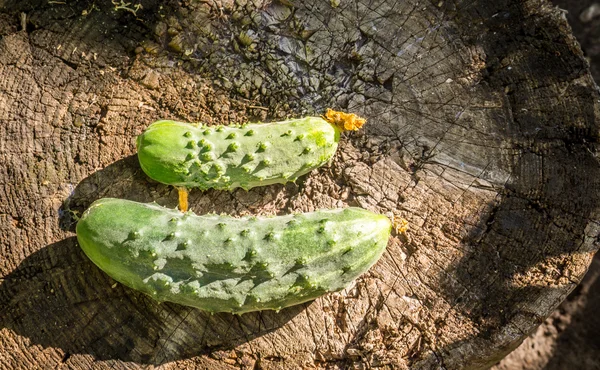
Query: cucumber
[[190, 155], [225, 264]]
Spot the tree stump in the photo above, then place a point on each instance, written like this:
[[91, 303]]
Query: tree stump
[[482, 132]]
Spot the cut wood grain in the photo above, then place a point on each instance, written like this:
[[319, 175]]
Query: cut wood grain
[[482, 132]]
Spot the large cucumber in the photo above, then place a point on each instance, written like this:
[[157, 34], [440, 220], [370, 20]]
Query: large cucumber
[[190, 155], [226, 264]]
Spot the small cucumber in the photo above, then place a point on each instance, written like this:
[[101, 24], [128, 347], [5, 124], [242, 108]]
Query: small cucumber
[[227, 157], [227, 264]]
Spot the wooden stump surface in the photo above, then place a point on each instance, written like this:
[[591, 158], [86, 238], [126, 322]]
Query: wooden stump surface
[[482, 133]]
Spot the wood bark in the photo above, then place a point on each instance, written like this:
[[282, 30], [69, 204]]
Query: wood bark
[[482, 133]]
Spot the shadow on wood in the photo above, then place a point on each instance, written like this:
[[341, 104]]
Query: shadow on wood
[[521, 254], [125, 179], [121, 179], [58, 298]]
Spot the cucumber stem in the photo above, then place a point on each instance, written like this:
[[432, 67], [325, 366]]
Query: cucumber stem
[[183, 198]]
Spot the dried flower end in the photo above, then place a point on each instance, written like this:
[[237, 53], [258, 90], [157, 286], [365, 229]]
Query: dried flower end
[[400, 225], [344, 121]]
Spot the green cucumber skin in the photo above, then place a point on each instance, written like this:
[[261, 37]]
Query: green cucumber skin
[[228, 157], [226, 264]]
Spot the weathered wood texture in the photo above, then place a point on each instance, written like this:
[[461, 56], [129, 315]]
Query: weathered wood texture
[[482, 133]]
